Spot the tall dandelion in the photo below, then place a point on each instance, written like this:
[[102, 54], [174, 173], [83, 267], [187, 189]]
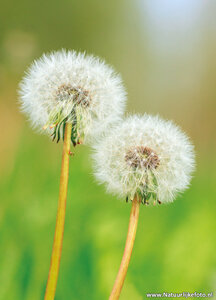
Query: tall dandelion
[[73, 97], [146, 160]]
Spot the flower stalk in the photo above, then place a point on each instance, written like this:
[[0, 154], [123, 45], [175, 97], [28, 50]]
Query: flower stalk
[[132, 228], [60, 219]]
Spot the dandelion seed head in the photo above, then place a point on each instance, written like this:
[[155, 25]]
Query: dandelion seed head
[[145, 155], [66, 86]]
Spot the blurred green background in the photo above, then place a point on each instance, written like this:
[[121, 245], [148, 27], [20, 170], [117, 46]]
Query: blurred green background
[[165, 51]]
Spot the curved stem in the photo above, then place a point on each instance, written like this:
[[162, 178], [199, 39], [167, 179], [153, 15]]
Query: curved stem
[[134, 215], [60, 219]]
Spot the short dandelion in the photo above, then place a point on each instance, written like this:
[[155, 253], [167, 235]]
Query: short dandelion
[[72, 97], [145, 160]]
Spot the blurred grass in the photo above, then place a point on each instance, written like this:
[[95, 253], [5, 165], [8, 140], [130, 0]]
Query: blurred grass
[[175, 244]]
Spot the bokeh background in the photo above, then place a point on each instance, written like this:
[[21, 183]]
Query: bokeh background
[[165, 51]]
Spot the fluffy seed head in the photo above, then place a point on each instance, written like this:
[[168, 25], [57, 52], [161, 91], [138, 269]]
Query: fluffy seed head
[[66, 86], [147, 156]]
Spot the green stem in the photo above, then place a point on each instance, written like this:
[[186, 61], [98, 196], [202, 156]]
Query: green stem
[[60, 219], [134, 215]]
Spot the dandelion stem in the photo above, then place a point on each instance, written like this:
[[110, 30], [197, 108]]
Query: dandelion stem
[[60, 219], [134, 215]]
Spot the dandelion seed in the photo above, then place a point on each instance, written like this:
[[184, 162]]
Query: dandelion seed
[[70, 87], [147, 156]]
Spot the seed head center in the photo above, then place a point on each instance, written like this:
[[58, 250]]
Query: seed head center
[[142, 157], [76, 94]]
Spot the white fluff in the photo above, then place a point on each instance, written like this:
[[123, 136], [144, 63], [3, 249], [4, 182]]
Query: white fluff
[[174, 151], [44, 100]]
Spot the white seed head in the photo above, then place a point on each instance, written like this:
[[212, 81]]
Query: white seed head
[[66, 86], [145, 155]]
